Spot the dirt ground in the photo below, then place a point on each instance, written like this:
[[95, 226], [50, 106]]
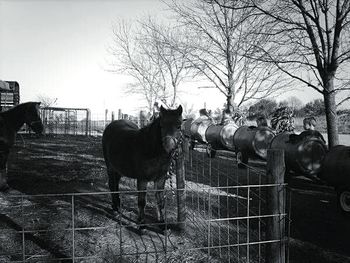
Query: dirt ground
[[36, 214]]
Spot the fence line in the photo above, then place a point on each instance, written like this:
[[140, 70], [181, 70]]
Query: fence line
[[78, 121], [227, 213]]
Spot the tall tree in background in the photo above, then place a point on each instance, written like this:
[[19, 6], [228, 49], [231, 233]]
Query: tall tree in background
[[217, 50], [263, 107], [128, 58], [309, 40], [172, 65], [139, 51], [46, 101], [293, 102]]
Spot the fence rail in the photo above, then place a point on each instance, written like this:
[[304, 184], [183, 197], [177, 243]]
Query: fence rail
[[231, 215]]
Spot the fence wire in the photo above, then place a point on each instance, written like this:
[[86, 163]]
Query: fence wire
[[226, 219]]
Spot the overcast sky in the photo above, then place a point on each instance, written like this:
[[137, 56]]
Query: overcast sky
[[58, 49]]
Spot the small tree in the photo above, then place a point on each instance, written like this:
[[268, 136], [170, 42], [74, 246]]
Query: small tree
[[315, 108], [46, 101], [263, 107]]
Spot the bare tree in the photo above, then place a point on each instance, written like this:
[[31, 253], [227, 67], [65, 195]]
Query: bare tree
[[217, 51], [188, 111], [128, 58], [172, 64], [140, 51], [46, 101], [295, 102], [309, 41]]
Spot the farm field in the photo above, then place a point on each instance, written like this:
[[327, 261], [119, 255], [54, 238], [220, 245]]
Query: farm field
[[58, 166]]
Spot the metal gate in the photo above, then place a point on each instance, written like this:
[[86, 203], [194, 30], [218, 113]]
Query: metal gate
[[73, 121]]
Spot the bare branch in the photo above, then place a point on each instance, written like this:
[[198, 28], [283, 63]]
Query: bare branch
[[343, 101], [217, 51]]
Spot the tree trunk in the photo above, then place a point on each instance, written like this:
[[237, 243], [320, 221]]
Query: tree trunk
[[230, 102], [174, 96], [331, 113], [230, 98]]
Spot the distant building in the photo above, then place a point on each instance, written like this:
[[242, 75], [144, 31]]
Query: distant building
[[9, 94]]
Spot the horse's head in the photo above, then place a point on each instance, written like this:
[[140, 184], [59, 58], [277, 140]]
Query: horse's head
[[170, 125], [32, 117]]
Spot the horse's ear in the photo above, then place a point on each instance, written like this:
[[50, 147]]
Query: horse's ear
[[161, 111], [179, 110]]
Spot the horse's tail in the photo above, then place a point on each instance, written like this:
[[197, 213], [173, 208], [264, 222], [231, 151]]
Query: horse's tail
[[104, 146]]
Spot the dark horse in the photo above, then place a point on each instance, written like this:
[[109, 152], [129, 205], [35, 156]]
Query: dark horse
[[144, 154], [10, 122]]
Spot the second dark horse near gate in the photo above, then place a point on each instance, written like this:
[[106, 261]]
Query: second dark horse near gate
[[10, 123], [144, 154]]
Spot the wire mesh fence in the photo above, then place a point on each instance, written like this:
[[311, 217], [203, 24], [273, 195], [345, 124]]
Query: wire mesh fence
[[227, 218], [73, 121], [233, 204], [78, 121]]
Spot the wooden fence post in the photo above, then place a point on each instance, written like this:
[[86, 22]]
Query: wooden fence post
[[180, 186], [87, 122], [276, 199], [43, 117]]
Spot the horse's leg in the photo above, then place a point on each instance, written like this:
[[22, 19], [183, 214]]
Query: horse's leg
[[3, 180], [113, 182], [159, 185], [3, 172], [141, 201]]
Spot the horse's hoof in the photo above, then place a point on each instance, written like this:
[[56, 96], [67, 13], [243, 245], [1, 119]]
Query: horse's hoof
[[162, 226], [141, 230], [166, 231], [141, 224], [115, 208], [116, 214]]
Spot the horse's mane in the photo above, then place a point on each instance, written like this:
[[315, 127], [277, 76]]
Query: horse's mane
[[151, 136], [15, 116], [19, 107], [150, 126], [14, 112]]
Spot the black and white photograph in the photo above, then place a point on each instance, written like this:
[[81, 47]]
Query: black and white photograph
[[180, 131]]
